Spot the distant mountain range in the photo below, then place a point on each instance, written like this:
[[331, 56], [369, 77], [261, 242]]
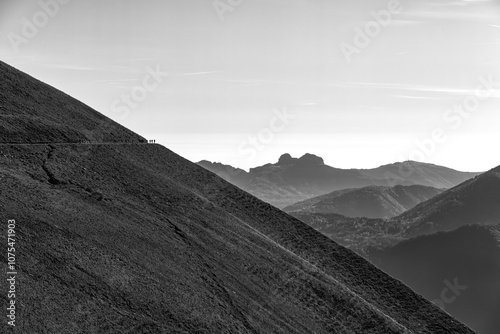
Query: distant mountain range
[[292, 180], [472, 202], [119, 236], [458, 270], [370, 202], [408, 247], [475, 201]]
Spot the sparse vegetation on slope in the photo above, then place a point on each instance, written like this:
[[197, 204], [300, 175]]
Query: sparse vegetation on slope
[[33, 112]]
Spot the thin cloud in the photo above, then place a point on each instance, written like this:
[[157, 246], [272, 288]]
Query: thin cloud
[[102, 69], [198, 73], [409, 88], [406, 22], [413, 97], [71, 67], [114, 81], [457, 3], [449, 15], [257, 81], [137, 59], [307, 103]]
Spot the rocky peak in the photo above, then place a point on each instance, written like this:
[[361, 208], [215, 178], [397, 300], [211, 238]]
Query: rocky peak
[[311, 160]]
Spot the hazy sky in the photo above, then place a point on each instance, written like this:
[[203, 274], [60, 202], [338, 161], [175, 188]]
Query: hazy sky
[[249, 80]]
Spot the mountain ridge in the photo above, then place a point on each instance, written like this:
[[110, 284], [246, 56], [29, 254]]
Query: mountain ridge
[[292, 180], [474, 201], [371, 202], [33, 112]]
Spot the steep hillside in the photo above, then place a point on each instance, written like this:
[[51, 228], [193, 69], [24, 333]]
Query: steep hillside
[[292, 180], [138, 235], [474, 201], [132, 238], [459, 270], [370, 202], [357, 234], [236, 176], [33, 112]]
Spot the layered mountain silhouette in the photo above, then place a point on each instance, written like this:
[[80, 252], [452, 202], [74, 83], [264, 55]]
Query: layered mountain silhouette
[[119, 236], [370, 202], [412, 172], [458, 270], [474, 201], [459, 254], [292, 180]]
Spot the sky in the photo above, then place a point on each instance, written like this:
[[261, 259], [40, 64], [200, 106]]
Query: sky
[[360, 83]]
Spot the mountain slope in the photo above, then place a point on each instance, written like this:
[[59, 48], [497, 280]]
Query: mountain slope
[[33, 112], [132, 238], [292, 180], [459, 270], [236, 176], [370, 202], [474, 201], [357, 234]]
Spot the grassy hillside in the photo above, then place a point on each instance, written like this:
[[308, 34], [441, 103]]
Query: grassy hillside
[[33, 112], [138, 239]]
